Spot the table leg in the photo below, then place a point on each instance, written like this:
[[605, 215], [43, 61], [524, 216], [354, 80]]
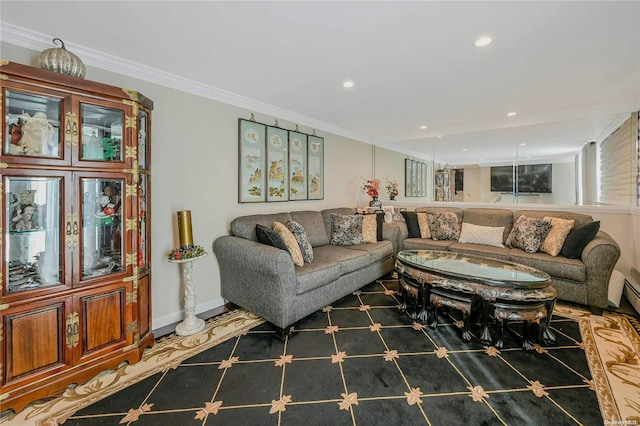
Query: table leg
[[485, 337], [547, 336]]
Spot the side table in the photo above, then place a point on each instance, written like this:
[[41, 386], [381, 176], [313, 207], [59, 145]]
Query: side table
[[191, 324]]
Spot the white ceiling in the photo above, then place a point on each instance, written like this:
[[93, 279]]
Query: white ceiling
[[569, 69]]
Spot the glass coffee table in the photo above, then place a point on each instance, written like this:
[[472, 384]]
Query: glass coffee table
[[479, 287]]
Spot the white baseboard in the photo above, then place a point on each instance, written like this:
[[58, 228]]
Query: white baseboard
[[632, 293], [175, 317]]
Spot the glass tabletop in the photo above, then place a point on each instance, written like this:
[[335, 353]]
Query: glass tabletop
[[475, 268]]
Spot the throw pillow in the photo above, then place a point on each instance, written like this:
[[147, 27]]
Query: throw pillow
[[444, 226], [560, 228], [578, 239], [370, 228], [346, 230], [528, 233], [477, 234], [411, 219], [423, 224], [291, 243], [380, 224], [269, 236], [303, 241]]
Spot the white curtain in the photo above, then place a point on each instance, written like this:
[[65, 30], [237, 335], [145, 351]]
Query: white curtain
[[616, 170]]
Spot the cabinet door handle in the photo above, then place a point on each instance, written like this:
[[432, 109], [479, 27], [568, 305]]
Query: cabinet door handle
[[68, 227], [75, 227]]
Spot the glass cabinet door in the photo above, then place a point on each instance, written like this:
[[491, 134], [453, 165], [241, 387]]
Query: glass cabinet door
[[102, 129], [32, 125], [143, 134], [102, 234], [33, 212], [143, 189]]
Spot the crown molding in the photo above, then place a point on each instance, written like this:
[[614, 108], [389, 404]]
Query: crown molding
[[37, 41]]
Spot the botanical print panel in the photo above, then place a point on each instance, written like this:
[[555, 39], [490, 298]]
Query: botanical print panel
[[316, 167], [251, 185], [277, 164], [297, 166]]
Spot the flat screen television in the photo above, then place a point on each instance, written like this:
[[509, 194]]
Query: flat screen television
[[531, 178]]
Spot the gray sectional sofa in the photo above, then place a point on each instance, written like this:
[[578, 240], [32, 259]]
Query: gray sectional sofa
[[584, 280], [264, 280]]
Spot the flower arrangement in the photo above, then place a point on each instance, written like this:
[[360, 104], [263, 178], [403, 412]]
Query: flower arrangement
[[371, 187], [186, 253], [392, 189]]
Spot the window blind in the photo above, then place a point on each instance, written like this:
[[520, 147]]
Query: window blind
[[616, 175]]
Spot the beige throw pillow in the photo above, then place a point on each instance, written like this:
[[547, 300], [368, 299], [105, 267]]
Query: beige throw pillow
[[477, 234], [560, 228], [370, 228], [289, 241], [423, 224]]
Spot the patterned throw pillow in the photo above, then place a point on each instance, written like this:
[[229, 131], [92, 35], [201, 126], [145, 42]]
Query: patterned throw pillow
[[423, 224], [346, 230], [444, 226], [476, 234], [560, 228], [370, 228], [303, 241], [528, 233], [291, 243]]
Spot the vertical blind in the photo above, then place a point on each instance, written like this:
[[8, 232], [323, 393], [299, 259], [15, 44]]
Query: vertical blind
[[616, 172], [589, 173]]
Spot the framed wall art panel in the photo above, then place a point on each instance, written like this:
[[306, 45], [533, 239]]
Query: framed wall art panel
[[251, 162], [316, 168], [297, 166], [277, 164]]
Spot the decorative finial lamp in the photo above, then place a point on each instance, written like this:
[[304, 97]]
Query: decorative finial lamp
[[185, 255]]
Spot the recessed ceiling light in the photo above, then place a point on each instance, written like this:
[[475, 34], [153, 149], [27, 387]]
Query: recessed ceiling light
[[483, 41], [511, 114], [464, 150], [423, 127], [347, 84], [523, 144]]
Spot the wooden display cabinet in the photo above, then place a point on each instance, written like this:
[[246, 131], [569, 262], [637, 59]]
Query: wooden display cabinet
[[75, 231]]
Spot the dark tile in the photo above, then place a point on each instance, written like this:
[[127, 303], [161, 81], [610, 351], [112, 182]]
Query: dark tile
[[215, 354], [390, 316], [406, 339], [109, 420], [567, 332], [349, 318], [319, 414], [373, 377], [133, 397], [185, 387], [459, 410], [313, 380], [431, 374], [233, 416], [349, 301], [379, 299], [259, 346], [543, 368], [251, 383], [174, 418], [317, 320], [359, 342], [490, 372], [581, 403], [574, 358], [397, 412], [305, 344]]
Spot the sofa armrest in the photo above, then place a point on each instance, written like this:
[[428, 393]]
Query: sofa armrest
[[599, 257], [391, 232], [257, 277]]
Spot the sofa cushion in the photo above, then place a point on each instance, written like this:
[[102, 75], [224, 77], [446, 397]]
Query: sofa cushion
[[270, 237], [426, 244], [313, 225], [303, 241], [377, 251], [411, 219], [560, 267], [317, 274], [490, 217], [423, 225], [291, 243], [501, 253], [444, 226], [350, 259], [528, 233], [346, 230], [245, 226], [560, 228], [578, 239], [477, 234]]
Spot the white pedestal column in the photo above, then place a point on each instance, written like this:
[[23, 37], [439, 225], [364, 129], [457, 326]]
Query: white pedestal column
[[191, 324]]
